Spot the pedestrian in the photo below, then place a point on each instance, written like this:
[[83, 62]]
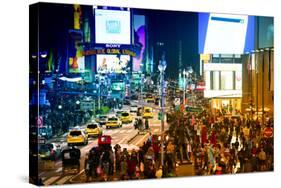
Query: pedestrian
[[123, 173], [262, 160]]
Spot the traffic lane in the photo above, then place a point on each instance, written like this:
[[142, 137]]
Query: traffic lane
[[119, 135]]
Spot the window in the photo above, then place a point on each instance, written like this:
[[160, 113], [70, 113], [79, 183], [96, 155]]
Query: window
[[227, 80]]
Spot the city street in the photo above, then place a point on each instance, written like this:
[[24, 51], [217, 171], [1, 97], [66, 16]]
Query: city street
[[126, 137], [119, 93]]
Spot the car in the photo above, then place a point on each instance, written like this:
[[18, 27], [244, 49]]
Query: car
[[134, 108], [101, 119], [93, 129], [49, 151], [126, 117], [150, 100], [147, 112], [119, 113], [126, 102], [113, 122], [77, 137]]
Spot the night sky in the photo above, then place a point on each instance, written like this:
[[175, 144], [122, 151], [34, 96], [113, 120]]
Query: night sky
[[168, 27]]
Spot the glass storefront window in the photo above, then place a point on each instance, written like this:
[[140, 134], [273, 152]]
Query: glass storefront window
[[227, 80]]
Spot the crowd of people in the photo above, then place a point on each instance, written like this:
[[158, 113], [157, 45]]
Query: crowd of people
[[226, 145], [107, 163], [214, 145]]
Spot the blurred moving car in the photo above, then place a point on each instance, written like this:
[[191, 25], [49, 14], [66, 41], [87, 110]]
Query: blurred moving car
[[119, 113], [113, 122], [134, 108], [50, 151], [71, 160], [93, 129], [126, 102], [126, 117], [77, 137], [101, 119], [147, 112], [149, 99]]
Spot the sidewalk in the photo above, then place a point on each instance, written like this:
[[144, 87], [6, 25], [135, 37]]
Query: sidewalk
[[185, 169]]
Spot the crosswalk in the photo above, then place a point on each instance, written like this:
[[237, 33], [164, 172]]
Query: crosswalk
[[57, 180], [117, 131]]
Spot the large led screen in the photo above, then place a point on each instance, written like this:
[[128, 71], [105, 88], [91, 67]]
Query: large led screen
[[225, 33], [112, 26], [139, 41], [112, 63]]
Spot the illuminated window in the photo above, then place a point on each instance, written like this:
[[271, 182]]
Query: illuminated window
[[227, 80]]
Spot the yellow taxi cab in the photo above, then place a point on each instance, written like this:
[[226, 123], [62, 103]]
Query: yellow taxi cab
[[113, 122], [147, 112], [126, 117], [149, 99], [93, 129], [77, 137]]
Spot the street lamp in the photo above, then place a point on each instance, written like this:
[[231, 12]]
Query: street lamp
[[161, 67], [185, 74], [77, 102], [142, 82], [60, 107]]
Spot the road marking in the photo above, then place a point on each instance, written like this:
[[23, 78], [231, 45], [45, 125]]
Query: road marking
[[141, 140], [59, 169], [58, 163], [156, 130], [108, 131], [122, 131], [129, 130], [73, 177], [63, 180], [51, 180], [123, 139]]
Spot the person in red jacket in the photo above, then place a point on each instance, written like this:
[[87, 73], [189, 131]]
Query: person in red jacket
[[204, 135], [213, 138]]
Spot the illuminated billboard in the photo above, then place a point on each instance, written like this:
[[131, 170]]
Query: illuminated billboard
[[139, 41], [225, 33], [112, 26], [112, 63], [223, 80], [77, 64]]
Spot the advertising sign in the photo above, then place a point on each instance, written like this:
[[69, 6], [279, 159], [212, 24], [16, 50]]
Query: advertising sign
[[114, 26], [225, 33], [139, 41], [112, 63]]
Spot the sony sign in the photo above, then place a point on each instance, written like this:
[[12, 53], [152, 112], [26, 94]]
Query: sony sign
[[112, 45]]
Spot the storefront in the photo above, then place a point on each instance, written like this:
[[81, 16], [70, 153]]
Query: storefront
[[227, 105]]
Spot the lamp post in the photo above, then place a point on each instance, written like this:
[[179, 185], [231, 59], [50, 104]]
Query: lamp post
[[190, 71], [161, 67], [142, 82], [184, 85]]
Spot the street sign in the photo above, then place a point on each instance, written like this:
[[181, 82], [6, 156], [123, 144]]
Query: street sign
[[39, 121], [268, 132]]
